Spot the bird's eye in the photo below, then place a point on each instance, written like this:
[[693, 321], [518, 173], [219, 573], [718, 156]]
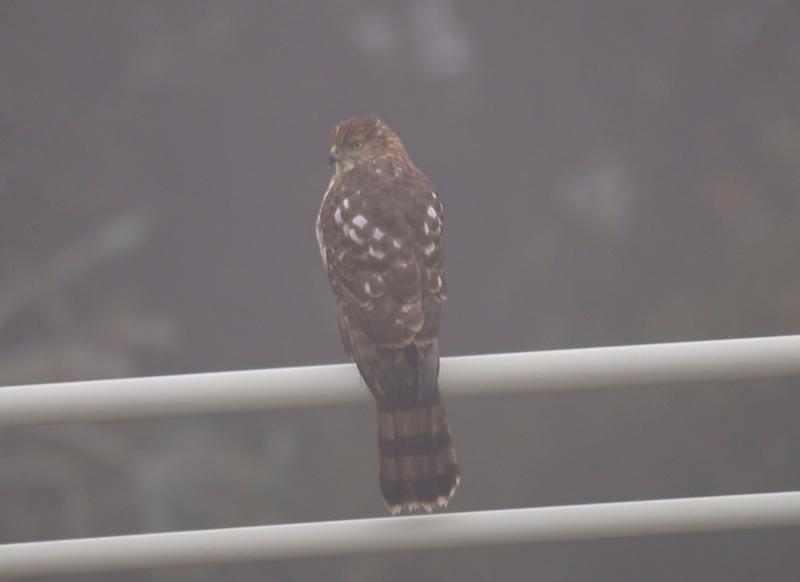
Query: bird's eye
[[357, 145]]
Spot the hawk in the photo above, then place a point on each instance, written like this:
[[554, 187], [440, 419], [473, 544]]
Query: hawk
[[380, 235]]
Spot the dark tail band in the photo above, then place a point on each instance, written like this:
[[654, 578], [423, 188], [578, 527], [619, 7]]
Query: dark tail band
[[418, 468]]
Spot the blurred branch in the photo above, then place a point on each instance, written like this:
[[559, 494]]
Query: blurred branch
[[116, 237], [101, 342], [100, 349]]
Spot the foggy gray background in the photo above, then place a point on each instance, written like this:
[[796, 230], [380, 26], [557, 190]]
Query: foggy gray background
[[613, 172]]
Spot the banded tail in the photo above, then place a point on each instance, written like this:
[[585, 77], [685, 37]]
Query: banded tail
[[418, 468]]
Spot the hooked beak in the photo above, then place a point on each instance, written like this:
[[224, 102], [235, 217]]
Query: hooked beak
[[334, 157]]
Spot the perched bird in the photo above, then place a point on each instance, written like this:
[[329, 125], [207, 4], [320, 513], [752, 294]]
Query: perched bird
[[380, 235]]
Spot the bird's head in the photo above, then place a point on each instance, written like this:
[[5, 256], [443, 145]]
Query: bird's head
[[360, 139]]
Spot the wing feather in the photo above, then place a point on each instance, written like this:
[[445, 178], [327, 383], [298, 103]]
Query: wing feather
[[381, 235]]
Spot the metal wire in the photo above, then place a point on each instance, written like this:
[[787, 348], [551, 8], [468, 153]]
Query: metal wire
[[324, 385]]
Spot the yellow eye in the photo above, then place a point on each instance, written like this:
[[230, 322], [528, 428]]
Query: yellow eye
[[357, 145]]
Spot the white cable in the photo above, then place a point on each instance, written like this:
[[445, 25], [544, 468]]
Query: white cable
[[735, 359], [576, 522]]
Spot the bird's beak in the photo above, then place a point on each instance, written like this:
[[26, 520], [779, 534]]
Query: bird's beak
[[334, 157]]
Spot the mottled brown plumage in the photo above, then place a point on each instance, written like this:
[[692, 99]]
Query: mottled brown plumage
[[380, 235]]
